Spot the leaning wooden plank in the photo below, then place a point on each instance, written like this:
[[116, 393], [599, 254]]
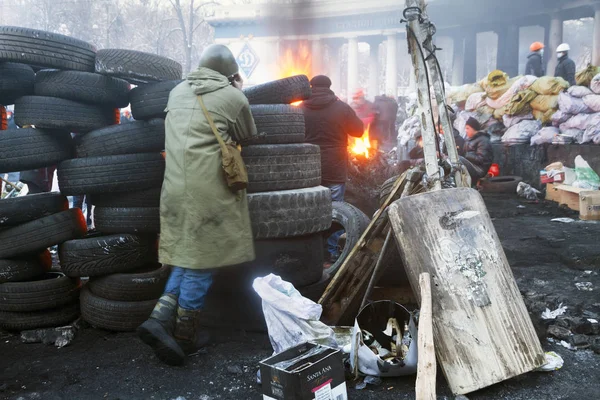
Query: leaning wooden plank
[[426, 368], [482, 332]]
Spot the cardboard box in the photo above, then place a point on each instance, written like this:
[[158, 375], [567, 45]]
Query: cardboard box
[[306, 372], [587, 202], [552, 192]]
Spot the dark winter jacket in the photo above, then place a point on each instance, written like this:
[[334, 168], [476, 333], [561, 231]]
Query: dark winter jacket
[[535, 66], [566, 69], [478, 150], [329, 122]]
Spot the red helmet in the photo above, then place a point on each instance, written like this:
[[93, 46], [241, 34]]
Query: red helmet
[[535, 46]]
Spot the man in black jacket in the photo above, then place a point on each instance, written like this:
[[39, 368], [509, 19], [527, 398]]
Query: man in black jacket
[[566, 67], [535, 65], [478, 153]]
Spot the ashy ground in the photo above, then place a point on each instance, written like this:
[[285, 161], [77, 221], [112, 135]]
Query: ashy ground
[[548, 259]]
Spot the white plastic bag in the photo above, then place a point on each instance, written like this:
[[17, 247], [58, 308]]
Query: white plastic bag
[[510, 120], [291, 318], [580, 122], [475, 101], [545, 135], [521, 132], [572, 105], [579, 91], [560, 117], [410, 129], [595, 85], [592, 102], [587, 178]]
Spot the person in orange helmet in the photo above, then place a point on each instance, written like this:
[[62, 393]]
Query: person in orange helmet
[[535, 64]]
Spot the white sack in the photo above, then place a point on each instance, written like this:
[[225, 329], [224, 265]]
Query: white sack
[[572, 105], [576, 122], [521, 84], [410, 129], [521, 132], [545, 135], [592, 102], [559, 117], [579, 91], [510, 120], [475, 101], [595, 85]]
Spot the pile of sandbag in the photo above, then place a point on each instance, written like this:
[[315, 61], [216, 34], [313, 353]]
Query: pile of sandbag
[[584, 77], [521, 132], [459, 95]]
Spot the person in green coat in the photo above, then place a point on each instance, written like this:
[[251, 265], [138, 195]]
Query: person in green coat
[[204, 224]]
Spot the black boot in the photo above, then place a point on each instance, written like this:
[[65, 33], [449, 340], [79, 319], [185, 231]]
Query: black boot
[[188, 333], [157, 331]]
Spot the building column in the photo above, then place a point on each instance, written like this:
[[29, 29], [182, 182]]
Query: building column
[[555, 39], [508, 50], [352, 65], [470, 59], [373, 68], [334, 67], [317, 57], [596, 42], [458, 64], [391, 70]]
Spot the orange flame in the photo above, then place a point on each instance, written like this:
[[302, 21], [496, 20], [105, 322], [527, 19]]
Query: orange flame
[[362, 146], [296, 60]]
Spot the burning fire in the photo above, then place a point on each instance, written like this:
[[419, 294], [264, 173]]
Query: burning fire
[[362, 145], [296, 60]]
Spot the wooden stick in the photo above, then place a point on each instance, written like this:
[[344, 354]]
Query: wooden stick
[[10, 184], [426, 367], [376, 270]]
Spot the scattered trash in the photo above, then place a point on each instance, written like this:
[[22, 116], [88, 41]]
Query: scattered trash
[[554, 362], [369, 380], [553, 314], [585, 286], [291, 318], [593, 321], [527, 191], [235, 369], [586, 177], [566, 345], [59, 337], [563, 220], [521, 207], [559, 332]]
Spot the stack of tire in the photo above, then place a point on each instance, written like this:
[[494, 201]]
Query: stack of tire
[[121, 169]]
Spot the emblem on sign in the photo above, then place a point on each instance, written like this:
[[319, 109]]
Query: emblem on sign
[[247, 60]]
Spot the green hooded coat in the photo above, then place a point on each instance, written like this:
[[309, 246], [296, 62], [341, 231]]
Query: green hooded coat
[[204, 224]]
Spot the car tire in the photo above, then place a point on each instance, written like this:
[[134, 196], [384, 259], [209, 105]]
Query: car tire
[[44, 49], [111, 174], [103, 255], [281, 124], [19, 210], [136, 66], [127, 220], [289, 213], [25, 268], [500, 184], [22, 321], [16, 80], [85, 87], [54, 113], [146, 284], [36, 236], [282, 91], [282, 167], [112, 315], [130, 138], [52, 290], [150, 100], [143, 198]]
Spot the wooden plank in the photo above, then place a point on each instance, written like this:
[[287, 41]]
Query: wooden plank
[[426, 367], [569, 198], [552, 193], [482, 331]]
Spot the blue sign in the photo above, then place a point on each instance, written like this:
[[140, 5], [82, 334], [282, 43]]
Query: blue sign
[[247, 60]]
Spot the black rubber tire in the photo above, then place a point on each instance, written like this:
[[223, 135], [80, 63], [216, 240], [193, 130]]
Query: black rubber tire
[[119, 316], [19, 210], [281, 123], [316, 290], [386, 188], [16, 80], [282, 167], [25, 268], [354, 222], [297, 260], [35, 236], [130, 138], [53, 290], [142, 198], [282, 91], [54, 113], [149, 101], [289, 213], [28, 148], [23, 321], [85, 87], [111, 174], [103, 255], [136, 66], [148, 284], [45, 49], [127, 220], [500, 184]]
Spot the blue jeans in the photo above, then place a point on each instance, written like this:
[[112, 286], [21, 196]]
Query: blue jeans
[[337, 194], [190, 286]]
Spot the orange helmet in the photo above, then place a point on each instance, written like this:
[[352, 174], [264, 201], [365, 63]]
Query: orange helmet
[[536, 46]]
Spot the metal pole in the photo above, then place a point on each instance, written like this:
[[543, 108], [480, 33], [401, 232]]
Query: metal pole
[[375, 274]]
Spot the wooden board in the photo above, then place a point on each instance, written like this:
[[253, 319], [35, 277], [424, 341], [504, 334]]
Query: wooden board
[[552, 193], [426, 369], [482, 331], [569, 196]]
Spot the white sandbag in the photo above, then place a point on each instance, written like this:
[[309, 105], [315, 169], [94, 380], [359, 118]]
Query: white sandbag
[[595, 85], [475, 101], [592, 102], [579, 91], [521, 132], [572, 105], [410, 129], [576, 134], [579, 121], [560, 117], [597, 139], [545, 135], [592, 130], [510, 120], [521, 84]]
